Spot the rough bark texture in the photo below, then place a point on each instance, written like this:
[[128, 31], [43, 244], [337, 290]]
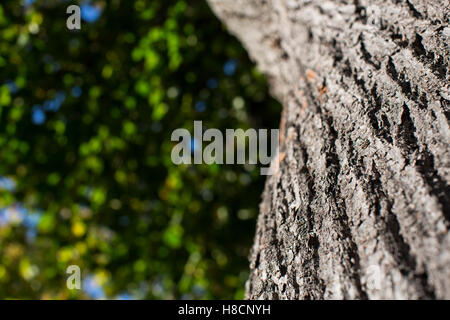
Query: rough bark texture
[[363, 175]]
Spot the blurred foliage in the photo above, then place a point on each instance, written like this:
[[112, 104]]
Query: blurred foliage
[[85, 171]]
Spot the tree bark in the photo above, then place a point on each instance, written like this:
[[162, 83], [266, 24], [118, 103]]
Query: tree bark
[[362, 182]]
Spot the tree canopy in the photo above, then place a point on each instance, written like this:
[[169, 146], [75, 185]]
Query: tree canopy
[[86, 176]]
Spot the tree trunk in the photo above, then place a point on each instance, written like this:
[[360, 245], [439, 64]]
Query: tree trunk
[[359, 207]]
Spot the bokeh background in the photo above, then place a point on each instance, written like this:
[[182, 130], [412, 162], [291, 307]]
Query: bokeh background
[[86, 176]]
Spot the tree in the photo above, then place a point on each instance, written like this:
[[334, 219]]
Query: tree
[[360, 204]]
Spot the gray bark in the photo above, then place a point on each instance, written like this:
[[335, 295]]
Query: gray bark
[[362, 183]]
